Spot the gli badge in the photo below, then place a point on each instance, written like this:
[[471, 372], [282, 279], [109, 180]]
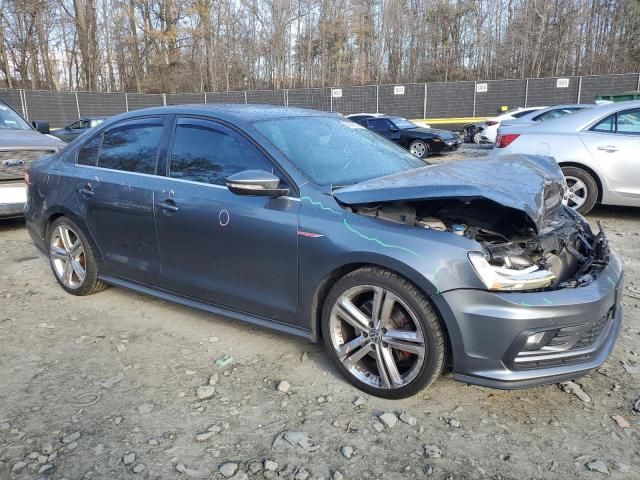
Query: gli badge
[[12, 163]]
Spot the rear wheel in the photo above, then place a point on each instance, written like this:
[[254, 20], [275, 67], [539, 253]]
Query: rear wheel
[[582, 189], [419, 148], [382, 333], [72, 259]]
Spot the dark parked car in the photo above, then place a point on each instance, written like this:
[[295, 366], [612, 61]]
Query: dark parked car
[[77, 128], [418, 140], [20, 144], [307, 223], [472, 133]]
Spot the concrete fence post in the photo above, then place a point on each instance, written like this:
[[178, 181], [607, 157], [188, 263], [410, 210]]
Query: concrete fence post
[[126, 101], [23, 103], [638, 86], [579, 88], [205, 97], [245, 97], [377, 98], [475, 93], [424, 102], [77, 104], [526, 92], [164, 99]]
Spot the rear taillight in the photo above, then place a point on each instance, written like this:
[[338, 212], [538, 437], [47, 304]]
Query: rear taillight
[[505, 139], [491, 123]]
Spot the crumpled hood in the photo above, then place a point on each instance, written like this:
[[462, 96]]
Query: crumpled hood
[[26, 140], [531, 184]]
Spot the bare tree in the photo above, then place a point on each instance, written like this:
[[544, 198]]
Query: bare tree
[[195, 45]]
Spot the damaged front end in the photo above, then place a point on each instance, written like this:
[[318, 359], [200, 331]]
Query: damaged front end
[[566, 255], [511, 206]]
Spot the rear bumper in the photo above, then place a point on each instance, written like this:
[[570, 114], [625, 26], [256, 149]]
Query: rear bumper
[[12, 199], [488, 331]]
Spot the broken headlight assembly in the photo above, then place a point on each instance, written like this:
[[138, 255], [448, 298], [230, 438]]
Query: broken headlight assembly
[[496, 277]]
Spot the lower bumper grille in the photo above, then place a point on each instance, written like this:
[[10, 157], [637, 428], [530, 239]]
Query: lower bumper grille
[[572, 344]]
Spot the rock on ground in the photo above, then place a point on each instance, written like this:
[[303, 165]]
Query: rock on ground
[[389, 419], [228, 469]]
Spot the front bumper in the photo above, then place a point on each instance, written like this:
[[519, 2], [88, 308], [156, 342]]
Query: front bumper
[[12, 199], [488, 331]]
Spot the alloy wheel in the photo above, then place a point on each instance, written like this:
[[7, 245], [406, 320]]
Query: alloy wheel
[[377, 337], [418, 149], [68, 257], [576, 194]]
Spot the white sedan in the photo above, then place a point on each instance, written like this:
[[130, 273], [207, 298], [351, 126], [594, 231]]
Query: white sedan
[[598, 150], [491, 125]]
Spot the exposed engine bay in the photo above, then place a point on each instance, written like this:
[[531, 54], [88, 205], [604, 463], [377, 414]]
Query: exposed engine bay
[[564, 253]]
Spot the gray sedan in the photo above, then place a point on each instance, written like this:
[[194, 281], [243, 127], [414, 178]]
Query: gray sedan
[[308, 223]]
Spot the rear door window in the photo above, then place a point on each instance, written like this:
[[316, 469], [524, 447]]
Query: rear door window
[[628, 122], [88, 153], [379, 124], [205, 151], [132, 146]]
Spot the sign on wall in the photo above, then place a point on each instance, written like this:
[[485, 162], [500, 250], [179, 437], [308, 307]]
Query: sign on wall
[[562, 83], [482, 87], [336, 92], [398, 90]]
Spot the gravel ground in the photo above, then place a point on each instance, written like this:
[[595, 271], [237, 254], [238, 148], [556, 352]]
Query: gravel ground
[[118, 385]]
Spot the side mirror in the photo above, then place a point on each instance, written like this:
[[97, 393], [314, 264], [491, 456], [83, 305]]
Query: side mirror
[[42, 127], [68, 128], [393, 128], [255, 182]]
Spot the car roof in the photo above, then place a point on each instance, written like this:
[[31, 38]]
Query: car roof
[[241, 112], [368, 115], [541, 111], [238, 114], [93, 117], [581, 119]]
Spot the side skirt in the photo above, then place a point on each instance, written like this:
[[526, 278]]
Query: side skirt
[[224, 312]]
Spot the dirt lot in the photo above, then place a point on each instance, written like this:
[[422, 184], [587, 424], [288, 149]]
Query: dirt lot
[[106, 387]]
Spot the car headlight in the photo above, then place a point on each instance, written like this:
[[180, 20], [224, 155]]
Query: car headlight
[[502, 278]]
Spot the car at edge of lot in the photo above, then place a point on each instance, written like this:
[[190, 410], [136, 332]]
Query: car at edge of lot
[[420, 141], [491, 125], [20, 144], [307, 223], [598, 150], [73, 130]]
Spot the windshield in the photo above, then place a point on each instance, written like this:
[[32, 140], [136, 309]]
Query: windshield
[[403, 123], [336, 151], [10, 119]]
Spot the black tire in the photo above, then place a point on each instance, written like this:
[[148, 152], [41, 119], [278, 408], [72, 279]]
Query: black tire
[[421, 148], [590, 184], [434, 340], [90, 284]]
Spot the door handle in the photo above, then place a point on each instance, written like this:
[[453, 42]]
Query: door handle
[[87, 190], [608, 148], [169, 206]]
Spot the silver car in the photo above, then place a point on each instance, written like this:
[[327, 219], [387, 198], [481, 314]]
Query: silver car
[[598, 150], [544, 115]]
